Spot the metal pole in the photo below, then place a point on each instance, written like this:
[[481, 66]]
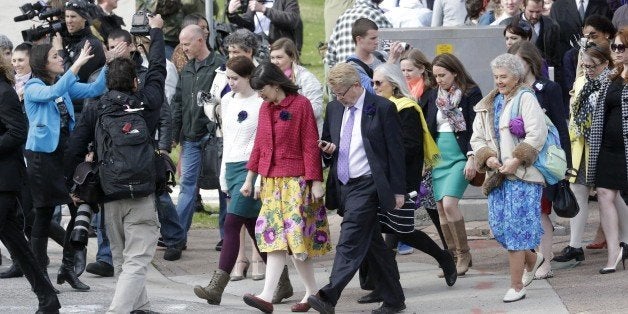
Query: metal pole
[[209, 15]]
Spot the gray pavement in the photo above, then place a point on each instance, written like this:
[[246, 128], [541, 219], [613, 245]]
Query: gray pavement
[[573, 290]]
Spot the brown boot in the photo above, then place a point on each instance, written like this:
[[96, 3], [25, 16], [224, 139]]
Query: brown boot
[[284, 288], [449, 243], [462, 246], [213, 292]]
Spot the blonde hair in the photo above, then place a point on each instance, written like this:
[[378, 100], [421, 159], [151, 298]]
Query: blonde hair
[[342, 75]]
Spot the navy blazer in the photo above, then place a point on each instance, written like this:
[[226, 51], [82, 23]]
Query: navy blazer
[[382, 138], [469, 99]]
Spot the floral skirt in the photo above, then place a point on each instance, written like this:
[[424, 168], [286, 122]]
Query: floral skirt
[[514, 214], [290, 219]]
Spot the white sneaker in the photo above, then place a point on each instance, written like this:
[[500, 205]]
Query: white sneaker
[[512, 295], [528, 276]]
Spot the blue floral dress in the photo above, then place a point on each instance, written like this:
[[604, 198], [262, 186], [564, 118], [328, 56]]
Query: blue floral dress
[[514, 207]]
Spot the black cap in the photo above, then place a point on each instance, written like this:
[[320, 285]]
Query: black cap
[[81, 7]]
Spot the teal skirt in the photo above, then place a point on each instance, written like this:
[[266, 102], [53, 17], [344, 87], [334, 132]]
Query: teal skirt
[[448, 176], [248, 207]]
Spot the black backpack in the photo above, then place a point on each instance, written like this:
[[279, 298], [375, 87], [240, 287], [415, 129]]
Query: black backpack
[[125, 152]]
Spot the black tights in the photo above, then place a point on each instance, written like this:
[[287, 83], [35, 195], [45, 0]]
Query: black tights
[[231, 241]]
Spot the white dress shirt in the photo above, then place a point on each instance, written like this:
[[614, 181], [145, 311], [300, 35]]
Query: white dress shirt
[[358, 163]]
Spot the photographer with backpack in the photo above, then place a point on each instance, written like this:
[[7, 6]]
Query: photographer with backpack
[[122, 125]]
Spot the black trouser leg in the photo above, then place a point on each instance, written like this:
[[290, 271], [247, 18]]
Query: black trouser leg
[[39, 235], [421, 241], [13, 238], [436, 221]]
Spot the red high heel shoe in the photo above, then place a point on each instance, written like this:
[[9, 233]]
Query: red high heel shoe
[[596, 246]]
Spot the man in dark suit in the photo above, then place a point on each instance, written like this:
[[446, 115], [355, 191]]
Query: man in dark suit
[[366, 175], [545, 31], [570, 16]]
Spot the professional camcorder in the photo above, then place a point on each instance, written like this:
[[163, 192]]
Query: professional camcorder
[[139, 23], [43, 13]]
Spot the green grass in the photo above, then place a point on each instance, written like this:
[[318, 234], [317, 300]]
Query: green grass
[[313, 33], [207, 219]]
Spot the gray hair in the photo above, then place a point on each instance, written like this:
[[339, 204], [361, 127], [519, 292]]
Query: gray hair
[[393, 74], [5, 42], [243, 38], [511, 63]]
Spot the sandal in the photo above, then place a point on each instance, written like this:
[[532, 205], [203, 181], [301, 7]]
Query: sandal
[[244, 267]]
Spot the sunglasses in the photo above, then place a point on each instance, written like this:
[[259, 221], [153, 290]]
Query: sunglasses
[[619, 48], [377, 83]]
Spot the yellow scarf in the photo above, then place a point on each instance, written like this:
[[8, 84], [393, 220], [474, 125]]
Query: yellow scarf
[[431, 154]]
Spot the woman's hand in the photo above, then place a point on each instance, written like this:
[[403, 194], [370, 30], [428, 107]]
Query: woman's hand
[[400, 199], [510, 166], [89, 157], [317, 190], [493, 163], [84, 56], [234, 6], [394, 54], [469, 169], [115, 52], [246, 188]]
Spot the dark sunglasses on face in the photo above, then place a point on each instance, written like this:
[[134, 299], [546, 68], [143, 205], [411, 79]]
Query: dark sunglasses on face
[[619, 48], [376, 83]]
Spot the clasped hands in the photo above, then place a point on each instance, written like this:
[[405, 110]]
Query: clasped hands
[[509, 167]]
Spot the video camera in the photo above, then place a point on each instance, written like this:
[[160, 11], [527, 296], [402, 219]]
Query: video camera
[[44, 13], [139, 23]]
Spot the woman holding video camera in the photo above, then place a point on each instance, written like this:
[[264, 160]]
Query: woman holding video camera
[[51, 119]]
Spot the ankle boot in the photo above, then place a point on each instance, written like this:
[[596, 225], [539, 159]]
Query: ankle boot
[[284, 288], [48, 303], [448, 265], [462, 246], [66, 271], [13, 272], [213, 292], [40, 250]]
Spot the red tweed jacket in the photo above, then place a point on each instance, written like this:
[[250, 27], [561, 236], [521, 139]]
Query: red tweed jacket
[[286, 141]]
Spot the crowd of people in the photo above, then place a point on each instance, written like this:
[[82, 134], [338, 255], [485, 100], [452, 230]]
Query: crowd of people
[[398, 132]]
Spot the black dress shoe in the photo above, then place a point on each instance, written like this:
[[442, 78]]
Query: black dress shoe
[[172, 254], [13, 272], [321, 305], [219, 246], [389, 309], [570, 253], [372, 297], [100, 268]]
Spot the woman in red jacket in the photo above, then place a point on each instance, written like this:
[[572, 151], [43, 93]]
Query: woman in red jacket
[[293, 218]]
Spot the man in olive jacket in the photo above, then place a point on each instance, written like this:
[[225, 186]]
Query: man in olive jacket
[[189, 123]]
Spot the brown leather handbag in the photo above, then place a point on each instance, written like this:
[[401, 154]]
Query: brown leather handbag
[[478, 180]]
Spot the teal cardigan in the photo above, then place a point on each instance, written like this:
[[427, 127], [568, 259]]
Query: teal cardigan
[[43, 115]]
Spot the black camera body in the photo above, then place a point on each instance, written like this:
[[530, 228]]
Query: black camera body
[[34, 34], [139, 23], [51, 17]]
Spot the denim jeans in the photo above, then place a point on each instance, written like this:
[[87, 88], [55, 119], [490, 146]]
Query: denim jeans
[[190, 169], [171, 230], [104, 250]]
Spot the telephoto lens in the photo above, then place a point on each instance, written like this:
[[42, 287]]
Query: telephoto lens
[[80, 233]]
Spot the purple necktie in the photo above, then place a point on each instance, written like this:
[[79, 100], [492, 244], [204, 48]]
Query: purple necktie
[[345, 144]]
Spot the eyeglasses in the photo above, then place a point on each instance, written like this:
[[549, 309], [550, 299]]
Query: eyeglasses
[[619, 48], [377, 83], [343, 94], [590, 66]]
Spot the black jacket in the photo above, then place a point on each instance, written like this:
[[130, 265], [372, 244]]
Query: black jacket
[[72, 48], [550, 98], [412, 134], [104, 23], [285, 21], [13, 130], [151, 96], [469, 99], [565, 13], [547, 41]]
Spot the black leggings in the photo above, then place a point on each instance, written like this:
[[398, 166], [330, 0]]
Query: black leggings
[[231, 241]]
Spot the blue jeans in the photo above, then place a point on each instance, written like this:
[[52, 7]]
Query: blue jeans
[[172, 232], [190, 169], [104, 250]]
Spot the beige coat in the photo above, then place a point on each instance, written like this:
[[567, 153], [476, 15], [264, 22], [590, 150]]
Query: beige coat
[[484, 143]]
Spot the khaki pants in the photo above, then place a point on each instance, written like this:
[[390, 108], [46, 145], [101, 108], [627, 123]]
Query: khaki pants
[[133, 229]]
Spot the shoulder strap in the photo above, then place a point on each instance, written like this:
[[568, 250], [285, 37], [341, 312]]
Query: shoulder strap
[[379, 56], [363, 65], [516, 110]]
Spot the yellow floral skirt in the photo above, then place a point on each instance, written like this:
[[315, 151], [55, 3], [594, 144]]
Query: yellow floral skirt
[[291, 220]]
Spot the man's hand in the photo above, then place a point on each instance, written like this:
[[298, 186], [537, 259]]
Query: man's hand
[[327, 147], [256, 6], [155, 21], [57, 41], [115, 52], [400, 199], [234, 6]]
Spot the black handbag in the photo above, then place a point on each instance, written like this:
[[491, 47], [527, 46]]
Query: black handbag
[[211, 151], [565, 204], [87, 183]]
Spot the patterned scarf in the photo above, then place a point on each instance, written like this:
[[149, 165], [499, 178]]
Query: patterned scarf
[[585, 105], [447, 102]]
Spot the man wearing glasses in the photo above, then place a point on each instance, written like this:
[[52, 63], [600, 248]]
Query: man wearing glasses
[[362, 144]]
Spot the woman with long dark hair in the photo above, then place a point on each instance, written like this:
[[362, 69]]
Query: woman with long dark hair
[[293, 218], [48, 105], [449, 115]]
